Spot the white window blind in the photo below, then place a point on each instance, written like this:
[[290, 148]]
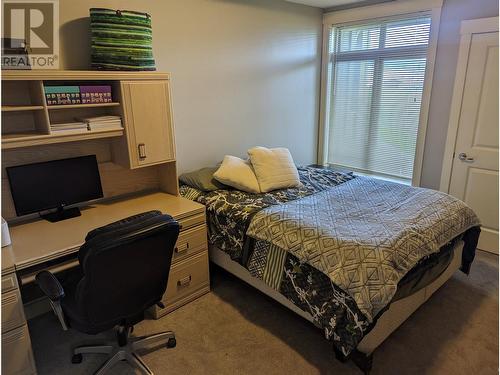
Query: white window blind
[[377, 80]]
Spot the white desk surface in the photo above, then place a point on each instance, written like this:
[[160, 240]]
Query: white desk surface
[[40, 241]]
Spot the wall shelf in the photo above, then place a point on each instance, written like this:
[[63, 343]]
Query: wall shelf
[[81, 75], [91, 105], [11, 141], [18, 108]]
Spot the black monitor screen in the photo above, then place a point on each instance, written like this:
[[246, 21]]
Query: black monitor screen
[[42, 186]]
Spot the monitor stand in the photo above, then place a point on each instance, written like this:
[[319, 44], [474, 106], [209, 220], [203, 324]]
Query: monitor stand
[[61, 214]]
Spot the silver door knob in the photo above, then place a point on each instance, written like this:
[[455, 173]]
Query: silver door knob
[[463, 156]]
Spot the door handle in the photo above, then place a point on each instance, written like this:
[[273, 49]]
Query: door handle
[[463, 157], [142, 151]]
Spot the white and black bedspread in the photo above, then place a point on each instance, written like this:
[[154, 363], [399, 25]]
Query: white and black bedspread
[[338, 246], [230, 211]]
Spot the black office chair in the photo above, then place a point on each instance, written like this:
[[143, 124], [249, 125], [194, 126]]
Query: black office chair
[[125, 271]]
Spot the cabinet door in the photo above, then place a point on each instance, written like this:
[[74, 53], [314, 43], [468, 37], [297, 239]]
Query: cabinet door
[[148, 122]]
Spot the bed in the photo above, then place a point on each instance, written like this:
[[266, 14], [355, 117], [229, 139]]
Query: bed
[[354, 255]]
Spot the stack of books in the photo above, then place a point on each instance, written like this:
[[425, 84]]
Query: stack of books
[[59, 95], [69, 127], [103, 122], [96, 94]]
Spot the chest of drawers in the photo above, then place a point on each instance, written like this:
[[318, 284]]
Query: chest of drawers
[[17, 356], [189, 272]]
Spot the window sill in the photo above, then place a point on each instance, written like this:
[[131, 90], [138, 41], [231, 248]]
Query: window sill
[[402, 181], [385, 178]]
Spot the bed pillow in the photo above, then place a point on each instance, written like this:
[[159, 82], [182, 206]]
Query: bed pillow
[[202, 179], [274, 168], [237, 173]]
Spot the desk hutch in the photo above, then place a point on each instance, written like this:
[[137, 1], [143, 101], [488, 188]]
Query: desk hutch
[[138, 171]]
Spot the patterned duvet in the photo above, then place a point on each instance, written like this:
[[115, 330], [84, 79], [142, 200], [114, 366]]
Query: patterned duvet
[[295, 239]]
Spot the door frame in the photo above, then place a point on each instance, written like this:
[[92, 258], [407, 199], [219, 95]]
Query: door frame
[[467, 29]]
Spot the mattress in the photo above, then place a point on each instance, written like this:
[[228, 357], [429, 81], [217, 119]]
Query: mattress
[[387, 323]]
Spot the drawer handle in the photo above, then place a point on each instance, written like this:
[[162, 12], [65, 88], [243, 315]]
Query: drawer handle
[[184, 281], [182, 249], [142, 151]]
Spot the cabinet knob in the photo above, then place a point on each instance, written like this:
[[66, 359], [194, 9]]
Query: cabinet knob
[[142, 151]]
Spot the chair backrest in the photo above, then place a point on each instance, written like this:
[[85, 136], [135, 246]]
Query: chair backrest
[[126, 266]]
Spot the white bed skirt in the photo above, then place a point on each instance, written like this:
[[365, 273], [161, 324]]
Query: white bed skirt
[[390, 320]]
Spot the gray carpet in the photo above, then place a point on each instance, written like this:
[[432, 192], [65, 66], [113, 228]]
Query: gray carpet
[[237, 330]]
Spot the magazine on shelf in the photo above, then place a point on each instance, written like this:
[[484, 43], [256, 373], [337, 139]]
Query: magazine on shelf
[[69, 126], [103, 122]]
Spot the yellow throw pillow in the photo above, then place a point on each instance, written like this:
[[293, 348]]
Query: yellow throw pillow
[[237, 173], [274, 168]]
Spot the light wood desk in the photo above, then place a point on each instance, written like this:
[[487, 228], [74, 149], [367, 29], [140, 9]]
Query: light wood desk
[[139, 157], [40, 244], [40, 241]]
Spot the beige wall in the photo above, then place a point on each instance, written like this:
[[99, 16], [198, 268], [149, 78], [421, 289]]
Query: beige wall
[[453, 12], [245, 72]]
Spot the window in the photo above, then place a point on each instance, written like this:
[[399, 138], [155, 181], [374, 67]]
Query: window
[[376, 82]]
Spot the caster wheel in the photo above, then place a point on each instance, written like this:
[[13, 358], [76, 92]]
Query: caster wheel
[[77, 358], [171, 343]]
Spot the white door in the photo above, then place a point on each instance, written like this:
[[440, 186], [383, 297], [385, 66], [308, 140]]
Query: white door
[[474, 167]]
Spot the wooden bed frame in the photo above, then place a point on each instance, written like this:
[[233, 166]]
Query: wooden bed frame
[[389, 321]]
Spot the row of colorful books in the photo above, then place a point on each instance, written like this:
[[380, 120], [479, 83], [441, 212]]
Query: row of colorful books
[[61, 95]]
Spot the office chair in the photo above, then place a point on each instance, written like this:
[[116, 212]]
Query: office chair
[[125, 271]]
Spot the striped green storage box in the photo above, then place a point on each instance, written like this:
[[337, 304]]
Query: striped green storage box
[[121, 40]]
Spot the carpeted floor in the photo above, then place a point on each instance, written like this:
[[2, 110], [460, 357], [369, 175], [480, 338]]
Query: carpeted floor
[[237, 330]]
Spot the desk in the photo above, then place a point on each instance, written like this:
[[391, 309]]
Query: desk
[[39, 244], [40, 241]]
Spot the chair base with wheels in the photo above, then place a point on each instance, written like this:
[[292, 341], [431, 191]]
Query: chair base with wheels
[[126, 350]]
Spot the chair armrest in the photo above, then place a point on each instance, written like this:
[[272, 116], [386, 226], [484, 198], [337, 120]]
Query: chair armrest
[[53, 289], [49, 285]]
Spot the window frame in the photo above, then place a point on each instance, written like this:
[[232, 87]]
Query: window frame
[[384, 11]]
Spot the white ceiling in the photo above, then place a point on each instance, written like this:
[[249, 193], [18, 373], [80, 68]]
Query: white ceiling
[[325, 3]]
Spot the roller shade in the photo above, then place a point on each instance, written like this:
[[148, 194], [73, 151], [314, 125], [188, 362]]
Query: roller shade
[[377, 81]]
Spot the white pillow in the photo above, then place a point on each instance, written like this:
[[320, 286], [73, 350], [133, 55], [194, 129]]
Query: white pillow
[[274, 168], [237, 173]]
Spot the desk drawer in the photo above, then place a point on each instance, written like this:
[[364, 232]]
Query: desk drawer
[[192, 221], [186, 277], [190, 242], [9, 282], [188, 280], [17, 357], [12, 310]]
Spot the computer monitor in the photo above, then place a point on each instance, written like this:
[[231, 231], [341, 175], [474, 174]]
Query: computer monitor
[[54, 184]]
